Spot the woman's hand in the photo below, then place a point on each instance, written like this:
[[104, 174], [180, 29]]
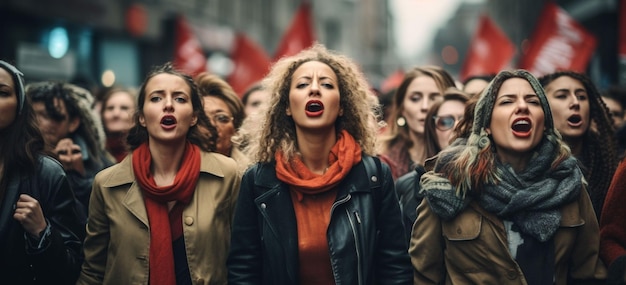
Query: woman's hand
[[70, 156], [28, 212]]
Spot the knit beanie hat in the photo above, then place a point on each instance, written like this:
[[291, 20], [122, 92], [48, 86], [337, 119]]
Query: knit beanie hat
[[18, 78], [485, 104]]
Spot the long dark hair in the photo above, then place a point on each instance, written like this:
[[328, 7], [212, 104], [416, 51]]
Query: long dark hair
[[203, 133], [22, 141]]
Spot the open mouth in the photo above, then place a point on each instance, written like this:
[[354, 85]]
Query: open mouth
[[314, 108], [521, 127], [168, 121], [575, 120]]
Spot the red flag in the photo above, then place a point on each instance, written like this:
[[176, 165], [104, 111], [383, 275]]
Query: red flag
[[622, 29], [558, 43], [189, 56], [300, 35], [392, 81], [251, 64], [489, 52]]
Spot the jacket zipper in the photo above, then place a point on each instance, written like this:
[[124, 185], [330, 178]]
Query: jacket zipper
[[356, 241]]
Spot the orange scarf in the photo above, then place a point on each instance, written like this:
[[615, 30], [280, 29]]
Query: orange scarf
[[344, 154], [156, 198]]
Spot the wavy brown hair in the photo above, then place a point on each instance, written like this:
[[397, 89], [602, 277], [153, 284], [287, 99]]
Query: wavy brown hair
[[395, 133], [277, 131], [599, 158], [212, 86], [203, 133]]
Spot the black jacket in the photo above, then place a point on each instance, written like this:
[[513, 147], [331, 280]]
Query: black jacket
[[59, 259], [408, 189], [365, 235]]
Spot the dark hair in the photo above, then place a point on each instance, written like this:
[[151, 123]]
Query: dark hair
[[246, 95], [598, 157], [22, 141], [78, 102], [203, 133]]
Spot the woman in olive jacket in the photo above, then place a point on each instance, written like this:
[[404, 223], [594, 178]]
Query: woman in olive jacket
[[316, 209], [508, 205], [40, 232], [163, 215]]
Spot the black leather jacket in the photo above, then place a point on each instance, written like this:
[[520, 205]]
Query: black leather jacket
[[408, 190], [365, 235], [59, 259]]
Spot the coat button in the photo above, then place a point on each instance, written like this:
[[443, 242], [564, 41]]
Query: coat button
[[374, 178], [188, 221], [263, 206]]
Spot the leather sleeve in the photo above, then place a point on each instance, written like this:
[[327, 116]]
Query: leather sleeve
[[245, 256], [62, 258], [392, 262]]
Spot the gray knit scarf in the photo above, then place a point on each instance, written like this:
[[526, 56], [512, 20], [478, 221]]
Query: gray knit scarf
[[531, 199]]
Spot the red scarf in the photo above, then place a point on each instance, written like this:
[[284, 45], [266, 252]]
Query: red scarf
[[345, 153], [156, 197]]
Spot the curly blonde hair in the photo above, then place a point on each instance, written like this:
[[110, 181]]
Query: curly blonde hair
[[274, 130]]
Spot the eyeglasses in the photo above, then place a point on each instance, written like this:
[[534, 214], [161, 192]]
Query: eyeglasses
[[221, 119], [444, 123]]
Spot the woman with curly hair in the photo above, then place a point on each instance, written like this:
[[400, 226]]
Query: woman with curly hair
[[403, 141], [507, 205], [305, 215], [163, 215], [583, 120]]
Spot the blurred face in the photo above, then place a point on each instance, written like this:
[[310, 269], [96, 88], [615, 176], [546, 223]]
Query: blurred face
[[517, 120], [569, 103], [314, 97], [221, 117], [615, 110], [475, 86], [8, 99], [118, 112], [420, 95], [256, 100], [167, 111], [449, 114], [54, 130]]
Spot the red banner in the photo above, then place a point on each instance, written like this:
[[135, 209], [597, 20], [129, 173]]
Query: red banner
[[251, 64], [490, 50], [558, 43], [622, 29], [189, 56], [300, 34]]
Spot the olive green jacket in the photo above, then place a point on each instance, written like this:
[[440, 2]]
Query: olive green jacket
[[118, 234], [472, 248]]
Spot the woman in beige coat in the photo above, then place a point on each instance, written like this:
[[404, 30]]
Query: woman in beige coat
[[163, 215], [508, 205]]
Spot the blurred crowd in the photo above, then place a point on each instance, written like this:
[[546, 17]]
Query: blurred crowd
[[313, 176]]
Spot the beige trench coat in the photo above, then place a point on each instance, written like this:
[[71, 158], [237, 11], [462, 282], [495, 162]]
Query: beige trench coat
[[473, 249], [118, 235]]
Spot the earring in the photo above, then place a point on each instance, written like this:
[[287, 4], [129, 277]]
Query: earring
[[401, 121]]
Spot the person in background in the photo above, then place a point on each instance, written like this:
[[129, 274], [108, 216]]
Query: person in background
[[255, 99], [403, 142], [611, 99], [583, 120], [475, 84], [40, 231], [305, 215], [508, 204], [442, 119], [72, 132], [613, 228], [163, 215], [226, 113], [118, 109]]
